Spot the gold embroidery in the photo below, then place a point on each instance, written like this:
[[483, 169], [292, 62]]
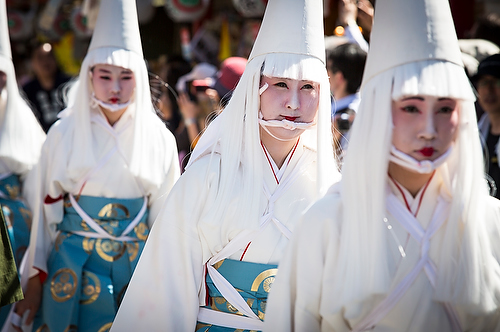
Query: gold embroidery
[[91, 287], [267, 284], [231, 308], [85, 226], [218, 264], [110, 250], [219, 300], [111, 210], [60, 239], [141, 231], [27, 216], [43, 328], [202, 326], [133, 250], [261, 277], [63, 285], [105, 327], [88, 245], [13, 191]]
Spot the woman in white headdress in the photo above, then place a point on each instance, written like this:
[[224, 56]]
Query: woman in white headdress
[[21, 139], [259, 164], [107, 166], [408, 240]]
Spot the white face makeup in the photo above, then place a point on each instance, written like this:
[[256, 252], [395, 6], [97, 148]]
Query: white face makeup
[[113, 87], [295, 101], [425, 127]]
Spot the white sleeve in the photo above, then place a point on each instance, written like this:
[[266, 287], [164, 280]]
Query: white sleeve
[[163, 293], [355, 36]]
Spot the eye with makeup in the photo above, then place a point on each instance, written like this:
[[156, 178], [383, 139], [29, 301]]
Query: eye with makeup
[[410, 109], [281, 85]]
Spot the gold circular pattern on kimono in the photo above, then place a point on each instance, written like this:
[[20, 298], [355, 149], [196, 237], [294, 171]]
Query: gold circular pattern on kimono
[[267, 278], [71, 328], [231, 308], [88, 245], [141, 230], [60, 239], [219, 300], [133, 250], [43, 328], [91, 287], [110, 250], [112, 210], [27, 216], [63, 284], [106, 327], [13, 191]]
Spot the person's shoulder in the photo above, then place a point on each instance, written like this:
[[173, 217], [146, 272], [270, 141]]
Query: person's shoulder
[[326, 211], [206, 165]]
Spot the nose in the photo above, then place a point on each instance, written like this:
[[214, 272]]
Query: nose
[[293, 100], [115, 86], [428, 127]]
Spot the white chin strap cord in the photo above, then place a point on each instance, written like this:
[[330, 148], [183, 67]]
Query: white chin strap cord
[[422, 167], [111, 107], [286, 124]]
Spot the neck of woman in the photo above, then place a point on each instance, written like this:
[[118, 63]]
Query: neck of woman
[[411, 180], [278, 150]]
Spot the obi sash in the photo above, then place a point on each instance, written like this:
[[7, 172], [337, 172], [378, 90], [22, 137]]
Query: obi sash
[[17, 214], [253, 282], [89, 272]]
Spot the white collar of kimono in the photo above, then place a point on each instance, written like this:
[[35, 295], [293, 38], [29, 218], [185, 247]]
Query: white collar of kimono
[[290, 125], [422, 167]]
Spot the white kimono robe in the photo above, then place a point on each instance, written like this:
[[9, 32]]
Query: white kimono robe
[[168, 285], [300, 301], [49, 181]]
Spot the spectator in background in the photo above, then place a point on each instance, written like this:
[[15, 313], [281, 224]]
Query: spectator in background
[[345, 65], [45, 90], [487, 83], [487, 27]]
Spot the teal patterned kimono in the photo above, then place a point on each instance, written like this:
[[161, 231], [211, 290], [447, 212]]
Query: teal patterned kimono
[[18, 223], [89, 274], [252, 280]]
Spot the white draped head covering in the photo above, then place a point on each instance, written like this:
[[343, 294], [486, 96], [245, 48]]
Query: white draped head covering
[[115, 41], [414, 51], [290, 44], [21, 136]]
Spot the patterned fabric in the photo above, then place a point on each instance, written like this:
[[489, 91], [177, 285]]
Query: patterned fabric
[[17, 218], [88, 276], [10, 287], [253, 281]]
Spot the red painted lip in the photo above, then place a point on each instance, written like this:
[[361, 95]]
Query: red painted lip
[[113, 100], [290, 118], [427, 152]]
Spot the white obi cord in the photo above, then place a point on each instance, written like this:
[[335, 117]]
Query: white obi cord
[[94, 102], [424, 264], [422, 167]]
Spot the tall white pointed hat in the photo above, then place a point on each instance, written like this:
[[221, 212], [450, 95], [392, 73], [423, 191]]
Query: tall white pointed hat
[[117, 26], [4, 32], [407, 31], [291, 27]]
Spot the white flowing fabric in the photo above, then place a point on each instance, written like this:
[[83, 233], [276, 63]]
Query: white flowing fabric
[[168, 286], [111, 177], [300, 302]]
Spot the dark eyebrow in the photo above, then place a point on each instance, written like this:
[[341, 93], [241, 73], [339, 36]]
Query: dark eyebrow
[[105, 71], [413, 97], [444, 98], [127, 71]]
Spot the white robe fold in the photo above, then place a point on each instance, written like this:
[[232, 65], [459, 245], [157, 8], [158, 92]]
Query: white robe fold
[[300, 302], [168, 285]]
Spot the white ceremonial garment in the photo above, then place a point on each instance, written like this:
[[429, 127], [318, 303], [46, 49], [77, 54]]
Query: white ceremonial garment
[[168, 285], [49, 181], [300, 301]]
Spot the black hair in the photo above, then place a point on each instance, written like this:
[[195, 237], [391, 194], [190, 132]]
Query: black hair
[[350, 60]]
